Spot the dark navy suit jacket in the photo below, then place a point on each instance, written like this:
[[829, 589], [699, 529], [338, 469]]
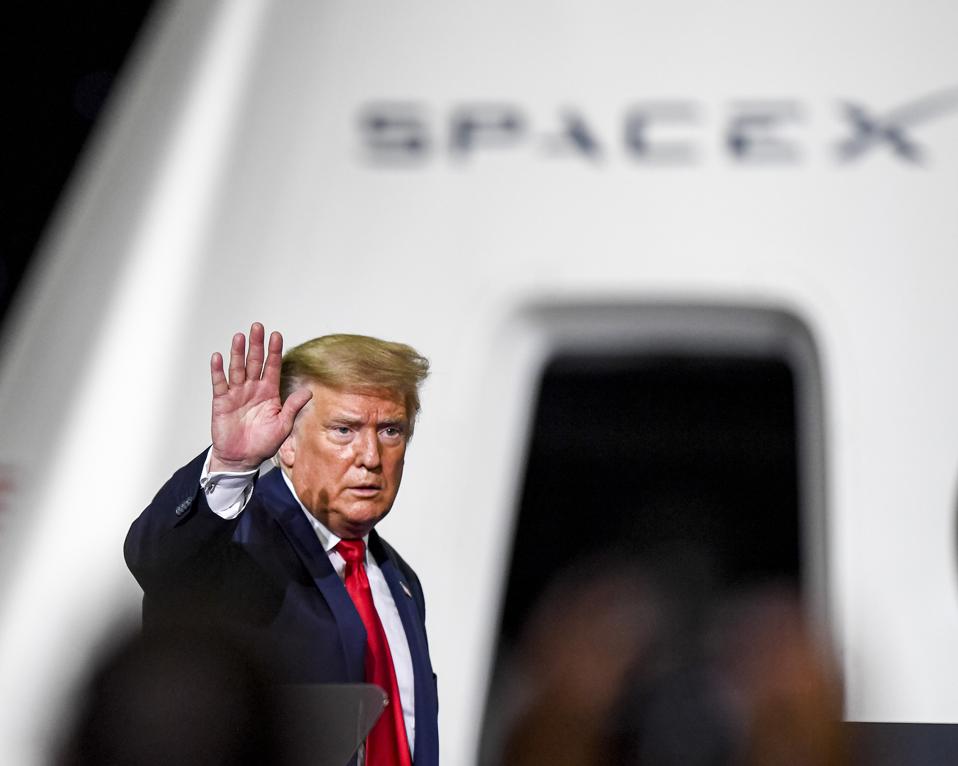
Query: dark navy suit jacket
[[266, 575]]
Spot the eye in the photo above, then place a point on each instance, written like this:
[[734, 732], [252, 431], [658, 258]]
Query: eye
[[392, 432], [340, 434]]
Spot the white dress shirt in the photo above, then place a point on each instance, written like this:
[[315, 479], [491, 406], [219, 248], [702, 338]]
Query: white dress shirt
[[227, 494]]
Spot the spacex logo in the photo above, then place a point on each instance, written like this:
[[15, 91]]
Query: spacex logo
[[669, 132]]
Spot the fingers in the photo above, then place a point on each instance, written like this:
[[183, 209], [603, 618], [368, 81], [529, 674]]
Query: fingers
[[237, 363], [220, 386], [249, 366], [274, 359], [254, 359], [293, 404]]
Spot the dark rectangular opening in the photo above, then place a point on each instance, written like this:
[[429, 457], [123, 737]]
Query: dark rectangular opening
[[634, 453], [651, 454]]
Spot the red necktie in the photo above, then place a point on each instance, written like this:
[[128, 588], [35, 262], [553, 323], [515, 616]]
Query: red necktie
[[386, 744]]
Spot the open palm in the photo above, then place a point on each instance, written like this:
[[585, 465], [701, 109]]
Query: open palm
[[249, 421]]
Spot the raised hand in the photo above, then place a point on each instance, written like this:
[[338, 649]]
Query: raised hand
[[249, 422]]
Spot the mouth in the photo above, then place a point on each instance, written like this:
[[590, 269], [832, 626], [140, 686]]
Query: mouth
[[365, 490]]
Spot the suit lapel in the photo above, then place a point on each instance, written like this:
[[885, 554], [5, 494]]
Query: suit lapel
[[287, 512], [415, 635], [402, 596]]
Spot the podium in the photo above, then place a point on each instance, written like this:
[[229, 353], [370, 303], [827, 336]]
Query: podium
[[324, 724]]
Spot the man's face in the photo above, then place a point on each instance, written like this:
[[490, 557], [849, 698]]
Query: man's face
[[345, 457]]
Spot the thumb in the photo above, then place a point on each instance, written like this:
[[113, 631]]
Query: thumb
[[293, 404]]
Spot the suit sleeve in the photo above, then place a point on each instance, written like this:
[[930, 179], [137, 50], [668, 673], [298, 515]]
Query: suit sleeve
[[178, 543]]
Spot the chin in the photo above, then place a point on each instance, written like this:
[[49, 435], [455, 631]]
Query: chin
[[361, 523]]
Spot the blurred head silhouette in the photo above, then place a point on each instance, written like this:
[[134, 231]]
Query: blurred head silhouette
[[174, 697], [628, 662]]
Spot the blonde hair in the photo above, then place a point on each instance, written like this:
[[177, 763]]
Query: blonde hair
[[357, 363]]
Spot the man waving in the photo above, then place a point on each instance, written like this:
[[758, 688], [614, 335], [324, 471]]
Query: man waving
[[291, 560]]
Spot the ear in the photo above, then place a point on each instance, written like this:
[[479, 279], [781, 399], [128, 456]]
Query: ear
[[287, 452]]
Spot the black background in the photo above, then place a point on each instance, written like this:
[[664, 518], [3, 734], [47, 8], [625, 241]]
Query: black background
[[63, 59]]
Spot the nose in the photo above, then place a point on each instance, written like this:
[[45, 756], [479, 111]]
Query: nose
[[366, 446]]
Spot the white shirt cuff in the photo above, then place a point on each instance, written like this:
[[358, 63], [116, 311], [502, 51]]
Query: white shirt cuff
[[227, 492]]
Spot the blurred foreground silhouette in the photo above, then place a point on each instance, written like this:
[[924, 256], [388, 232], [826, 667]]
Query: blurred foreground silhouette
[[642, 663], [175, 697], [189, 692]]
